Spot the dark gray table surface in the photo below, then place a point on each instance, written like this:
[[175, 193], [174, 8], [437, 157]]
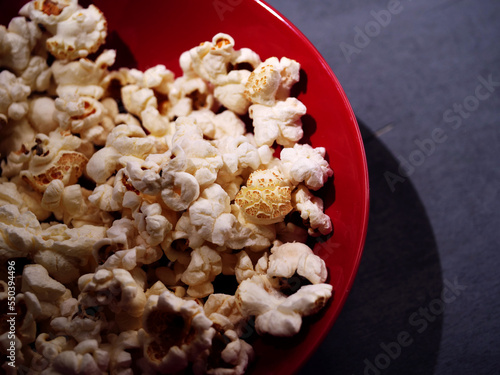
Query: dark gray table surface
[[423, 78]]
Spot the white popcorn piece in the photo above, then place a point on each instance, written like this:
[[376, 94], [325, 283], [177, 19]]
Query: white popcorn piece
[[16, 43], [230, 91], [175, 332], [156, 124], [189, 94], [136, 99], [13, 97], [83, 77], [275, 313], [311, 211], [47, 349], [151, 223], [103, 164], [204, 266], [206, 158], [208, 218], [14, 138], [36, 280], [41, 114], [227, 306], [233, 359], [17, 232], [76, 323], [78, 113], [85, 358], [115, 288], [280, 122], [272, 80], [120, 348], [9, 194], [303, 163], [267, 197], [244, 267], [123, 140], [64, 251], [238, 155], [145, 175], [128, 259], [158, 78], [210, 60], [79, 35], [49, 12], [37, 74], [295, 257], [217, 126]]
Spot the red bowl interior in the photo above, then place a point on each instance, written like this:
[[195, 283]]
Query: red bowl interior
[[152, 32]]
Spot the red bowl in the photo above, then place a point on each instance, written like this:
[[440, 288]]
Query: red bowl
[[152, 32]]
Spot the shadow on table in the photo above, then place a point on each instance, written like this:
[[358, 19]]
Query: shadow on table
[[392, 320]]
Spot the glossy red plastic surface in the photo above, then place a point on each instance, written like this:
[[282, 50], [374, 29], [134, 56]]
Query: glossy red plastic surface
[[150, 32]]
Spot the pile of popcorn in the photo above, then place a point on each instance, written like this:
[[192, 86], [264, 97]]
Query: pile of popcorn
[[126, 195]]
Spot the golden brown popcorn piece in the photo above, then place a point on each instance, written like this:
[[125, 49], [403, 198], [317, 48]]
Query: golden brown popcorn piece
[[68, 166], [267, 197]]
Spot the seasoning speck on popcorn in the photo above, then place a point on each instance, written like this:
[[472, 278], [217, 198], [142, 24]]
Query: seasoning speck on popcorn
[[132, 196]]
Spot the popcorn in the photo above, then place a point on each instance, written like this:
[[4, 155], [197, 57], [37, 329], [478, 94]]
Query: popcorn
[[204, 266], [79, 35], [63, 251], [272, 80], [233, 359], [120, 346], [16, 43], [13, 97], [210, 59], [275, 313], [114, 288], [41, 114], [230, 91], [49, 12], [179, 187], [145, 191], [189, 94], [76, 323], [225, 305], [280, 122], [311, 210], [37, 74], [85, 358], [36, 280], [83, 77], [53, 158], [295, 257], [302, 163], [206, 158], [17, 231], [266, 198], [175, 332]]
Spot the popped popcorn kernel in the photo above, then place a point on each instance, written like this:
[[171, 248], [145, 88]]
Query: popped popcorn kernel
[[266, 199]]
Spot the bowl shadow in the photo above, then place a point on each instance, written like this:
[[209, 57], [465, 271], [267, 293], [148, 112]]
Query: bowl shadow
[[392, 320]]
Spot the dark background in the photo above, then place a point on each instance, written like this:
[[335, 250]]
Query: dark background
[[426, 297]]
